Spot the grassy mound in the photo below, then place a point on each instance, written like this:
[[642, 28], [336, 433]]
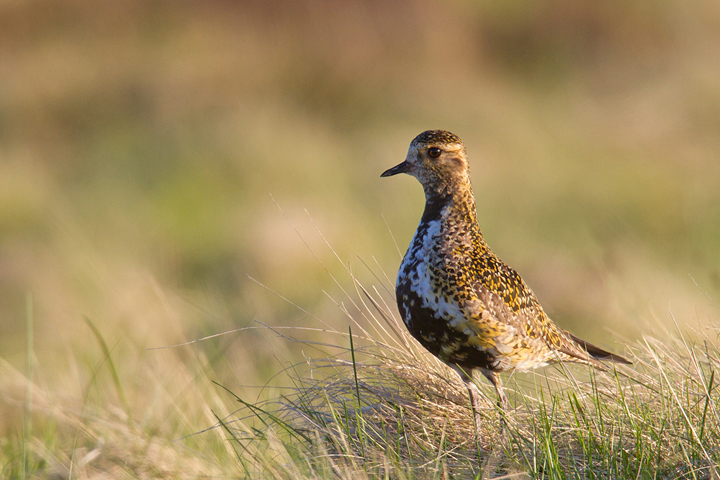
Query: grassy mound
[[380, 407]]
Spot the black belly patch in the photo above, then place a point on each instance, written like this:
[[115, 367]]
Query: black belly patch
[[434, 334]]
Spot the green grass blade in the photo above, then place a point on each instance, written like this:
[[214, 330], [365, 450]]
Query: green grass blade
[[29, 367], [113, 370]]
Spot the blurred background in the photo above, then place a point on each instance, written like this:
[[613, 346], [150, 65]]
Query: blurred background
[[154, 155]]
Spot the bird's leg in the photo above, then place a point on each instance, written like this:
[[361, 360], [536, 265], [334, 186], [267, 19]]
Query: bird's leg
[[497, 383], [502, 403], [475, 395]]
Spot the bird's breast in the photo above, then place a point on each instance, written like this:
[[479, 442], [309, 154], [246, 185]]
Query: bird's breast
[[431, 278]]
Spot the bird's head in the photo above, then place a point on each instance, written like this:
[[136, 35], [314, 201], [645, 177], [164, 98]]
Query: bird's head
[[437, 158]]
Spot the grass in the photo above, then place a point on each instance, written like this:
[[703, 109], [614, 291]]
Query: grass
[[368, 402], [29, 361], [389, 410]]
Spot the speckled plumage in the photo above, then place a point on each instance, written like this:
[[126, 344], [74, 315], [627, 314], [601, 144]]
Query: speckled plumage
[[457, 298]]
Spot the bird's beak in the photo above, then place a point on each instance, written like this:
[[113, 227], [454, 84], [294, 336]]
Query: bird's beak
[[404, 167]]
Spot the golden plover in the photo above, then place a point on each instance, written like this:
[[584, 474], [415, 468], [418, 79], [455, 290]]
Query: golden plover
[[457, 298]]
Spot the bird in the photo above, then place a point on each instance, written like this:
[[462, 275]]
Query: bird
[[456, 297]]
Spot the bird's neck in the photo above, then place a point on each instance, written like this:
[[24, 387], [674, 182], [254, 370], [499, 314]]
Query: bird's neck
[[450, 201]]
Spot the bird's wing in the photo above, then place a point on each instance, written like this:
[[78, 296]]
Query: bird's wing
[[508, 301]]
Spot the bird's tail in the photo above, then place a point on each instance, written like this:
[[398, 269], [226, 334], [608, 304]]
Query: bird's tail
[[598, 353]]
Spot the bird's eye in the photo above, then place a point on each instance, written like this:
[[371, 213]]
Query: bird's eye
[[434, 152]]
